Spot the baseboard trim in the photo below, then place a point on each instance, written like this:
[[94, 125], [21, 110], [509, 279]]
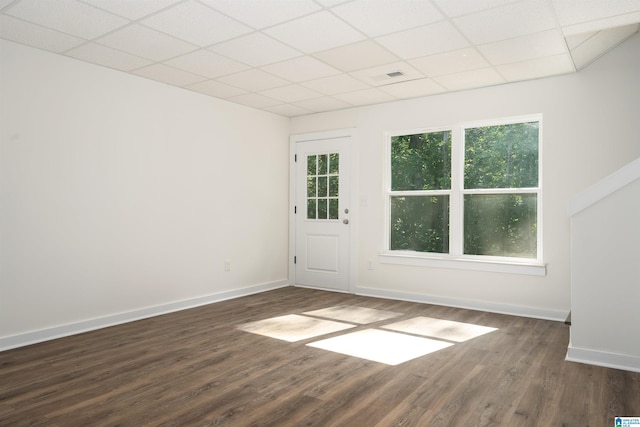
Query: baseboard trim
[[34, 337], [602, 358], [513, 310]]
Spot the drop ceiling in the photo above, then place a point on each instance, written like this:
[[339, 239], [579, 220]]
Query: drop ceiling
[[296, 57]]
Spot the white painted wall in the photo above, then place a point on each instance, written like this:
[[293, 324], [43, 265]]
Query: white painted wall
[[120, 194], [606, 279], [591, 128]]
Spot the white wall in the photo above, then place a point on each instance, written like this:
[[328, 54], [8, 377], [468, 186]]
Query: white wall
[[606, 279], [120, 194], [591, 128]]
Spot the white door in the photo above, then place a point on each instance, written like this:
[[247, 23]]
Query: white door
[[322, 191]]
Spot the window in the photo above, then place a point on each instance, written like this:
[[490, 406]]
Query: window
[[467, 191], [322, 186]]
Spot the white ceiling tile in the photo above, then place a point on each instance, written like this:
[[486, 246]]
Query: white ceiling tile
[[537, 68], [254, 100], [301, 69], [600, 43], [365, 97], [336, 84], [206, 63], [217, 89], [68, 16], [211, 47], [256, 49], [169, 75], [317, 32], [325, 103], [602, 24], [572, 12], [103, 55], [378, 17], [577, 39], [364, 54], [35, 35], [512, 20], [261, 13], [253, 80], [379, 76], [532, 46], [423, 41], [331, 3], [413, 88], [454, 8], [291, 93], [131, 9], [450, 62], [288, 110], [196, 23], [145, 42], [470, 79]]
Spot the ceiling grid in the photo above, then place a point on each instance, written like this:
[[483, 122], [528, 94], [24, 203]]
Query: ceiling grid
[[296, 57]]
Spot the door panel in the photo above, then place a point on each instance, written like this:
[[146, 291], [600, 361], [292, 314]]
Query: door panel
[[322, 218]]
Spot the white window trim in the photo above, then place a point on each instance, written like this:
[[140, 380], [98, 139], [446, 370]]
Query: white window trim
[[455, 258]]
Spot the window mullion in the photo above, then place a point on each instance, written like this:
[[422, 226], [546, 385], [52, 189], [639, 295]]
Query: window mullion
[[456, 217]]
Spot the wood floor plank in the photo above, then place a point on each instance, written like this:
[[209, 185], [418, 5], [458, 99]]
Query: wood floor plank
[[196, 367]]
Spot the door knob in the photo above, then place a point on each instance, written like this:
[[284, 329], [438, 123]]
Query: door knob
[[345, 221]]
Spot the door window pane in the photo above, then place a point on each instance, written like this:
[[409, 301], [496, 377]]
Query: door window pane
[[311, 209], [334, 163], [420, 223], [333, 186], [311, 186], [333, 208], [311, 165], [500, 225], [322, 164], [322, 208], [323, 184]]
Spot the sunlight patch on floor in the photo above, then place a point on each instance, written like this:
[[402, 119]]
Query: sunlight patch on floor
[[439, 328], [385, 347], [293, 327], [391, 344], [354, 314]]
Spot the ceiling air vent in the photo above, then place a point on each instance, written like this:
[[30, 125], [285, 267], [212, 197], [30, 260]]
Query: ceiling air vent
[[388, 74]]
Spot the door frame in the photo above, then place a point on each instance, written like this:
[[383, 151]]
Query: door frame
[[351, 133]]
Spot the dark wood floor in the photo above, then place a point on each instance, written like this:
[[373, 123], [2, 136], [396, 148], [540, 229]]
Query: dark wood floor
[[195, 368]]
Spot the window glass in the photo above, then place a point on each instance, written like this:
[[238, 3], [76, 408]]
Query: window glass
[[334, 163], [311, 209], [500, 225], [333, 208], [322, 208], [495, 196], [322, 164], [323, 183], [504, 156], [311, 165], [421, 161], [420, 223]]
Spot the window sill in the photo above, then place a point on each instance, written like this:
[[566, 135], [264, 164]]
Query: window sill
[[526, 267]]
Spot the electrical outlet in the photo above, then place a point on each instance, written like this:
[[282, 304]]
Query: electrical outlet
[[369, 265], [227, 265]]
